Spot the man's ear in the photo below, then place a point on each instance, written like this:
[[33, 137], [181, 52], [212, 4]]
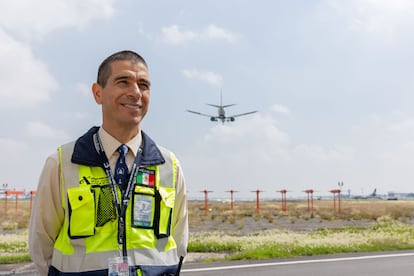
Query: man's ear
[[97, 93]]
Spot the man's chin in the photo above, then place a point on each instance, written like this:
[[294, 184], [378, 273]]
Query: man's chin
[[134, 123]]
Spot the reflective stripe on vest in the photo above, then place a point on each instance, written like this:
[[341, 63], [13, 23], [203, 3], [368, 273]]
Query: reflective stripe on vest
[[88, 237]]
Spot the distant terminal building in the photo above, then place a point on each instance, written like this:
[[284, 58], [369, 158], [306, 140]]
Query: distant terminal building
[[396, 196]]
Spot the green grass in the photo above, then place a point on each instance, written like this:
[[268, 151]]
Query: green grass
[[14, 248], [388, 235], [14, 259]]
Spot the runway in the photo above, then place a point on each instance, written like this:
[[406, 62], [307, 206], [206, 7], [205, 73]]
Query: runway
[[399, 263]]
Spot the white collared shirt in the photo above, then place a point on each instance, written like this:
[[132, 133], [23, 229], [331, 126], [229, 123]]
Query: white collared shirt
[[111, 145]]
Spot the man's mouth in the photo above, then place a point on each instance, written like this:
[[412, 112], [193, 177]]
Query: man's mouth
[[132, 106]]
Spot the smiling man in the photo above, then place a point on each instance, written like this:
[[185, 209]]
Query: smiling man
[[87, 218]]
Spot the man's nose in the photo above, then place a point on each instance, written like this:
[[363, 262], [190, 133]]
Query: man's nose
[[136, 90]]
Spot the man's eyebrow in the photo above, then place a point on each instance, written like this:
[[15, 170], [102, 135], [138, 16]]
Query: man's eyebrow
[[121, 77], [126, 77]]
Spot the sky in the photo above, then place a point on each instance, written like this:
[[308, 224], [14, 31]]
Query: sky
[[332, 81]]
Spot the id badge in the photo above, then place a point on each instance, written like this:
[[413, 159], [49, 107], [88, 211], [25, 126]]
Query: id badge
[[143, 211], [119, 266]]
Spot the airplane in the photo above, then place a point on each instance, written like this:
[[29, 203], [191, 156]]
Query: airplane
[[372, 195], [221, 113]]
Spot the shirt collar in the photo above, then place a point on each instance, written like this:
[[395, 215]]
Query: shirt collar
[[110, 144]]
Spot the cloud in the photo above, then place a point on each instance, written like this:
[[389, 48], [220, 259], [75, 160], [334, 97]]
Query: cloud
[[406, 125], [83, 88], [78, 115], [259, 128], [236, 152], [25, 81], [215, 33], [30, 19], [13, 149], [281, 109], [41, 130], [321, 153], [255, 153], [374, 16], [175, 36], [209, 77]]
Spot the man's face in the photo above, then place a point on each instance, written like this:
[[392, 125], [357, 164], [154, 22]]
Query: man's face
[[125, 98]]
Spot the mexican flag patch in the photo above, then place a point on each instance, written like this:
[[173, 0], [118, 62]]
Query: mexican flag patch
[[146, 177]]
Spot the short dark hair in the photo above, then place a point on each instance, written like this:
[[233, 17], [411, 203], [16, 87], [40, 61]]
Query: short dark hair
[[105, 71]]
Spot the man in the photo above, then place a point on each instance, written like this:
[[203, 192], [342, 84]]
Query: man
[[112, 201]]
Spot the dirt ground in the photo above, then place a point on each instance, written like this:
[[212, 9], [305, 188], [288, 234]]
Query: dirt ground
[[250, 225]]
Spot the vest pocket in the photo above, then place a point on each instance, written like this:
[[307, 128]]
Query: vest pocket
[[81, 212], [105, 210], [143, 209], [166, 205]]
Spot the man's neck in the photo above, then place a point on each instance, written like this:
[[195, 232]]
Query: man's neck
[[123, 135]]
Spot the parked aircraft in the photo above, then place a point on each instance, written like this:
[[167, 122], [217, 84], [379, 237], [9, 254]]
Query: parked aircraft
[[372, 195], [221, 113]]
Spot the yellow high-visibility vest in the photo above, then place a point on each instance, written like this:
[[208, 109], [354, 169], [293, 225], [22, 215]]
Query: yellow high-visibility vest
[[89, 235]]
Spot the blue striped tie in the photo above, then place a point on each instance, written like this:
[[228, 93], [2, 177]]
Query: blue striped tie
[[121, 168]]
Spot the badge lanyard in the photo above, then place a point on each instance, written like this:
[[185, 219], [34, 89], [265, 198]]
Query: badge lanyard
[[121, 208]]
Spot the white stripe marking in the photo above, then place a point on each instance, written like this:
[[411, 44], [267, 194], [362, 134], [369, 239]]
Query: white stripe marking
[[297, 262]]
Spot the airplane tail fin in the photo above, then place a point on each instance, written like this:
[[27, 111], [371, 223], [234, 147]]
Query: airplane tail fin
[[221, 102]]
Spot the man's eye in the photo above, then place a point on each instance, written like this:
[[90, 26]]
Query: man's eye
[[122, 82], [144, 86]]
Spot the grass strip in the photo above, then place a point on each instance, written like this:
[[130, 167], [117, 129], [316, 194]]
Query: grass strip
[[15, 259], [389, 235]]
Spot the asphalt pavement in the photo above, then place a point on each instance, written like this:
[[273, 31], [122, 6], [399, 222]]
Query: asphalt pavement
[[399, 263]]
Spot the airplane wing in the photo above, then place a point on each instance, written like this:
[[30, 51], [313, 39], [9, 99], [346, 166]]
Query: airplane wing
[[212, 118], [242, 114], [198, 113]]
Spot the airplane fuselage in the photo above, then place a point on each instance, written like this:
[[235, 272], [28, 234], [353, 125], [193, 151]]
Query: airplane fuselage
[[221, 113]]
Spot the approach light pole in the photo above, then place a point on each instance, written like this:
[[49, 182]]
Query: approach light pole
[[336, 192], [340, 185], [310, 200], [206, 200], [231, 198], [283, 193], [257, 200], [16, 193]]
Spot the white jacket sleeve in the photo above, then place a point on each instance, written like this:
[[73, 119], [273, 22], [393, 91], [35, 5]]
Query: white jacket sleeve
[[180, 216], [47, 215]]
